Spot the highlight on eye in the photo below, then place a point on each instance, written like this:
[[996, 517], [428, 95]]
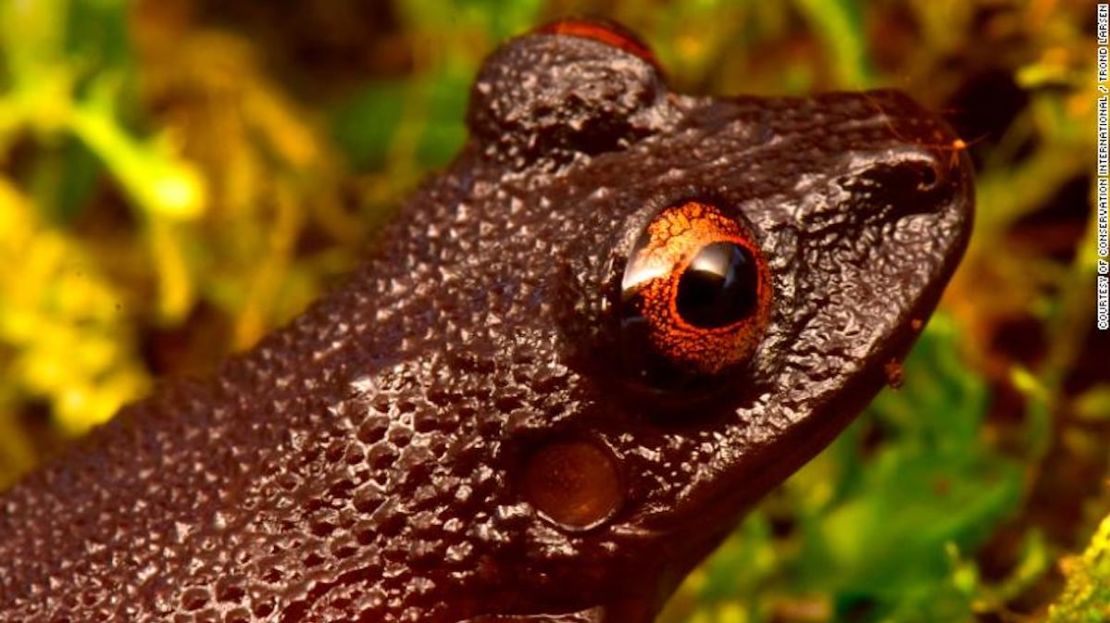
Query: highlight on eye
[[695, 295]]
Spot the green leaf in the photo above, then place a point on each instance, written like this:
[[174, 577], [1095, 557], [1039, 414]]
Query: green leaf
[[889, 542], [839, 23], [364, 126]]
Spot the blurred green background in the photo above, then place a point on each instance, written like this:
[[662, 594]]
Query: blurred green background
[[177, 177]]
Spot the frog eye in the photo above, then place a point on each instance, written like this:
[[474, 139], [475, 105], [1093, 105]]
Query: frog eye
[[695, 296], [603, 32]]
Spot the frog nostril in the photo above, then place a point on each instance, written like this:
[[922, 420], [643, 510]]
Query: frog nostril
[[921, 176], [910, 183], [928, 176]]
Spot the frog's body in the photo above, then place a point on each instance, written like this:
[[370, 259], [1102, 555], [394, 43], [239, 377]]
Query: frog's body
[[368, 462]]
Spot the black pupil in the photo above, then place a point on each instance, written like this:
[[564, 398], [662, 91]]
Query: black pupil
[[718, 287]]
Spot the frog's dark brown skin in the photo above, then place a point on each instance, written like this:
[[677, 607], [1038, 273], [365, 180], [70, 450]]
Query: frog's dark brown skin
[[376, 460]]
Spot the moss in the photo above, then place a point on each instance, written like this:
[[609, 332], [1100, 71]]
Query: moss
[[1086, 596]]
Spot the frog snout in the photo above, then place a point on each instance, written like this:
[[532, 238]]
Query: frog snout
[[918, 179]]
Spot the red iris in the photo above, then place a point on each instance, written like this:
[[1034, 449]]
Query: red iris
[[607, 33]]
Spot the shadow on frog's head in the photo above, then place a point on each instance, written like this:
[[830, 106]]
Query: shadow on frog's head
[[723, 284]]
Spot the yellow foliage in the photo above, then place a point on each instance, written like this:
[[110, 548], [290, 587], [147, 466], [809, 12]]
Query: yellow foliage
[[1086, 598], [69, 343]]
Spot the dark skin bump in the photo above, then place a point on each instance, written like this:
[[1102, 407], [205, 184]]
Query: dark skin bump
[[894, 373]]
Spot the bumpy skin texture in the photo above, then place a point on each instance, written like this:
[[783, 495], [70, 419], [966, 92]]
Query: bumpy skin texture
[[364, 462]]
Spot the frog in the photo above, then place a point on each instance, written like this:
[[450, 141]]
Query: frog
[[568, 367]]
